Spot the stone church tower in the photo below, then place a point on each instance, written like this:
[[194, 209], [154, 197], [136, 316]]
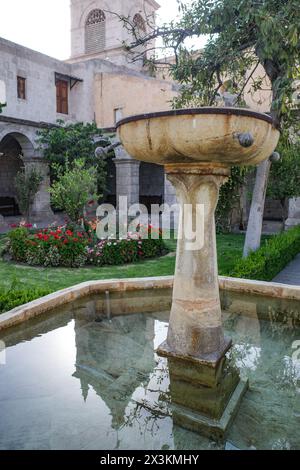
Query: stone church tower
[[97, 33]]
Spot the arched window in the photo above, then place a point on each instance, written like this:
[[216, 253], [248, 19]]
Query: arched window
[[95, 32], [139, 23]]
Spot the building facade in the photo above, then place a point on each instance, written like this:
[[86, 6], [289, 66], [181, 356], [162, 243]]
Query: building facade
[[100, 82], [96, 84]]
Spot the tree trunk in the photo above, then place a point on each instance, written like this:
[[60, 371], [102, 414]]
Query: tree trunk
[[254, 229]]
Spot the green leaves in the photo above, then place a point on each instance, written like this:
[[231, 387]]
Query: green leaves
[[27, 184], [241, 33], [284, 179], [271, 258], [76, 185], [68, 142]]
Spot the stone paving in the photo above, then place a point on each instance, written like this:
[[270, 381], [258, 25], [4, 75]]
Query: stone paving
[[290, 274]]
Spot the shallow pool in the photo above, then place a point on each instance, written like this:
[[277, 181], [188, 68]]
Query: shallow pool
[[74, 380]]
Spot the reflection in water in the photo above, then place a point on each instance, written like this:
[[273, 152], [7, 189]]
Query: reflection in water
[[74, 380]]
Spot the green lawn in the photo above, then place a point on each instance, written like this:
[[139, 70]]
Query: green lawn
[[229, 250]]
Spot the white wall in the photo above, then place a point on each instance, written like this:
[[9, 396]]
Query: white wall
[[39, 71]]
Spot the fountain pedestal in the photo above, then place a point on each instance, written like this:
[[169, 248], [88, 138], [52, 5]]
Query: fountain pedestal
[[205, 390], [197, 147]]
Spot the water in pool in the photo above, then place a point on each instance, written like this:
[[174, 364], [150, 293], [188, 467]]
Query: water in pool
[[74, 381]]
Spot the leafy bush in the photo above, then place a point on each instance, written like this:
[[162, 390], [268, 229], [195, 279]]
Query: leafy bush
[[12, 298], [66, 142], [17, 243], [75, 248], [60, 247], [76, 185], [271, 258], [27, 184], [117, 252]]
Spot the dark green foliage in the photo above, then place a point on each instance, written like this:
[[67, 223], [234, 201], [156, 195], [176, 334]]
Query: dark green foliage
[[271, 258], [118, 252], [284, 179], [69, 142], [74, 248], [10, 299], [229, 199], [27, 184], [241, 35], [50, 247]]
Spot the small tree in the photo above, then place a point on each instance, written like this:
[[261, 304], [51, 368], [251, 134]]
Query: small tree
[[27, 184], [64, 142], [74, 187]]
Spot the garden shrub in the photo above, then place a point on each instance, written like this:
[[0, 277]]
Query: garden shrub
[[117, 252], [12, 298], [60, 247], [271, 258], [76, 248]]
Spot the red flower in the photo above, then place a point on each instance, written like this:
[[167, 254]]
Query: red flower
[[75, 239], [69, 233]]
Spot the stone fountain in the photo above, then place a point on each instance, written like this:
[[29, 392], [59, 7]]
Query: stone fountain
[[197, 148]]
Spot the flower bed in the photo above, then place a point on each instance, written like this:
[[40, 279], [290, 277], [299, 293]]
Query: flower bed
[[76, 248]]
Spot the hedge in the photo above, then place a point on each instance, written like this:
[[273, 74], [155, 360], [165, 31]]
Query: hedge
[[11, 298], [271, 258]]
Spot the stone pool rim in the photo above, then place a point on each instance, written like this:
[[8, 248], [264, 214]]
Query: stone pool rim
[[65, 296]]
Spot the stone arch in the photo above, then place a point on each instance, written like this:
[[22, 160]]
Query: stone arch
[[139, 23], [95, 31], [11, 162], [18, 150]]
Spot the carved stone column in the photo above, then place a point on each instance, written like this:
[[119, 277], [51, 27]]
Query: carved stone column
[[202, 384], [128, 176]]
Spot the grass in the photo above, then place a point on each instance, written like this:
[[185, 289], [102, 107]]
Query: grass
[[230, 249]]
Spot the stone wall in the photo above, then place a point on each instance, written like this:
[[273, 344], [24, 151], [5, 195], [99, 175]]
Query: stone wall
[[131, 94], [39, 71]]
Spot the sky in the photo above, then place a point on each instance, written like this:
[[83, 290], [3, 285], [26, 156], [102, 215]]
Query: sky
[[44, 25]]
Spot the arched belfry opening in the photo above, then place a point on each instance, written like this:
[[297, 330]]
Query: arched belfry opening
[[95, 32], [139, 23]]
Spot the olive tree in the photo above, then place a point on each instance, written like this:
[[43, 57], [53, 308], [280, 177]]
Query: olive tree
[[242, 36]]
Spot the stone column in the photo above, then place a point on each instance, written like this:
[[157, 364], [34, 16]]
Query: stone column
[[205, 391], [128, 176], [293, 214], [170, 192], [41, 208]]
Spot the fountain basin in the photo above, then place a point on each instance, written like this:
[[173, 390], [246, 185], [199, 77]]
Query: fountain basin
[[101, 385], [210, 135], [197, 148]]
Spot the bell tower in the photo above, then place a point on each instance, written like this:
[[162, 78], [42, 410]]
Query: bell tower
[[96, 32]]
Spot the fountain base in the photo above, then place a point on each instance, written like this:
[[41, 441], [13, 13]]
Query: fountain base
[[205, 392]]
